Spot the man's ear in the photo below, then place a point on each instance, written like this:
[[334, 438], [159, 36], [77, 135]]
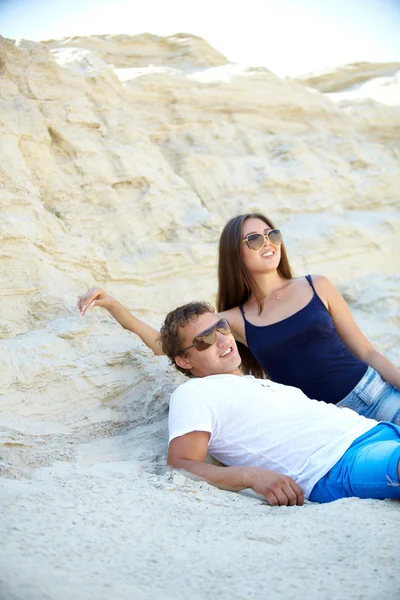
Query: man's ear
[[183, 362]]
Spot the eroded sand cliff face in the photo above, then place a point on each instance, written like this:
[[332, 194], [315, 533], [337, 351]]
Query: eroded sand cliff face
[[121, 159]]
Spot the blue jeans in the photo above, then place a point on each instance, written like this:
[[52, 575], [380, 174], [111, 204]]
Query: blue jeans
[[374, 398], [368, 469]]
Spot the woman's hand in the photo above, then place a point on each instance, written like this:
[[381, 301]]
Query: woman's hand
[[98, 297], [93, 297]]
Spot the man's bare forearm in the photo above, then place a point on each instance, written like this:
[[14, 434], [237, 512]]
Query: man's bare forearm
[[233, 479], [278, 489]]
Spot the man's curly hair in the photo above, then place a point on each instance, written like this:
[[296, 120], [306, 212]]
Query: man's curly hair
[[169, 333]]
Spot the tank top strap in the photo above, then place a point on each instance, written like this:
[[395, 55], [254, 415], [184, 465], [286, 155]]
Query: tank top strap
[[242, 311], [308, 277]]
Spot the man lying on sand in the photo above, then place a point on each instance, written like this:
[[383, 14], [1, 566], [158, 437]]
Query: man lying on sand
[[271, 437]]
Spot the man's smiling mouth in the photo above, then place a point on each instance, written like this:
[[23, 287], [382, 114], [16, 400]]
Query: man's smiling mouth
[[227, 352]]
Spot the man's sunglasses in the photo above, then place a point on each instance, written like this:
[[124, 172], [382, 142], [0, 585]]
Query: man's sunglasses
[[208, 337], [255, 241]]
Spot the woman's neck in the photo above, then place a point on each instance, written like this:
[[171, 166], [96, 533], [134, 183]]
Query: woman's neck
[[269, 283]]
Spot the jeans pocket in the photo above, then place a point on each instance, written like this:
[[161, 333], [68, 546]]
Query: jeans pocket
[[373, 389], [353, 401]]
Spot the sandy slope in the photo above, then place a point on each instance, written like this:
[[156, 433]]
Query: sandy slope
[[113, 530]]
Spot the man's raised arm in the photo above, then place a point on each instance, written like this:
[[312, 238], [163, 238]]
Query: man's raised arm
[[189, 451]]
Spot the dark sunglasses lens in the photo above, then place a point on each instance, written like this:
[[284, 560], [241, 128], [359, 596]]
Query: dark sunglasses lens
[[202, 342], [275, 237], [255, 241], [205, 341]]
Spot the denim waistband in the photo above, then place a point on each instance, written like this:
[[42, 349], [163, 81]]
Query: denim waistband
[[370, 385]]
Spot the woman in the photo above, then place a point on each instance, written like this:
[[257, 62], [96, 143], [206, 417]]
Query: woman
[[298, 331]]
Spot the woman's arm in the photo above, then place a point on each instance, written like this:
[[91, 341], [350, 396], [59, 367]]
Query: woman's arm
[[236, 322], [98, 297], [350, 334]]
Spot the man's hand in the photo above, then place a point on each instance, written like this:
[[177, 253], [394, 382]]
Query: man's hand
[[93, 297], [279, 490], [189, 451]]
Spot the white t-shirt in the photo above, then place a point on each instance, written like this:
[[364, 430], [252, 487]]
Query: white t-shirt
[[259, 423]]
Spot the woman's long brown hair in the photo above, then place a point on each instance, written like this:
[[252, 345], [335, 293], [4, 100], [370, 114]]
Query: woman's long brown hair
[[235, 282]]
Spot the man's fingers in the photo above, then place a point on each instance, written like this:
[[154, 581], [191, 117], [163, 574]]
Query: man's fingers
[[271, 498], [291, 492], [285, 493], [290, 495], [277, 497], [295, 494], [283, 496], [299, 493]]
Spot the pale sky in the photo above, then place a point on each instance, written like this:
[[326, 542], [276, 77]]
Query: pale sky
[[289, 37]]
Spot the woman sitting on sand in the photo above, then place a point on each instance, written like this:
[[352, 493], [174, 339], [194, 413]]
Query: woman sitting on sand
[[300, 332]]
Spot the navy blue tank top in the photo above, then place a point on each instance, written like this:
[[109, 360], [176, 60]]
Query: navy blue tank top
[[305, 351]]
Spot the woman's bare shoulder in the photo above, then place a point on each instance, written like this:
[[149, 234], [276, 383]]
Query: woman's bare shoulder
[[319, 280], [232, 313], [323, 287]]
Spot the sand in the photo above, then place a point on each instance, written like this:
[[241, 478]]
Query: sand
[[113, 524]]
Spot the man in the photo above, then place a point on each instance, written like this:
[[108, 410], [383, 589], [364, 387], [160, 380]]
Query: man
[[271, 437]]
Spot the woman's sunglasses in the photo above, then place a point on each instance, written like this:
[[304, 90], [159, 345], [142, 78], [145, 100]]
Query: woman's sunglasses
[[208, 337], [255, 241]]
